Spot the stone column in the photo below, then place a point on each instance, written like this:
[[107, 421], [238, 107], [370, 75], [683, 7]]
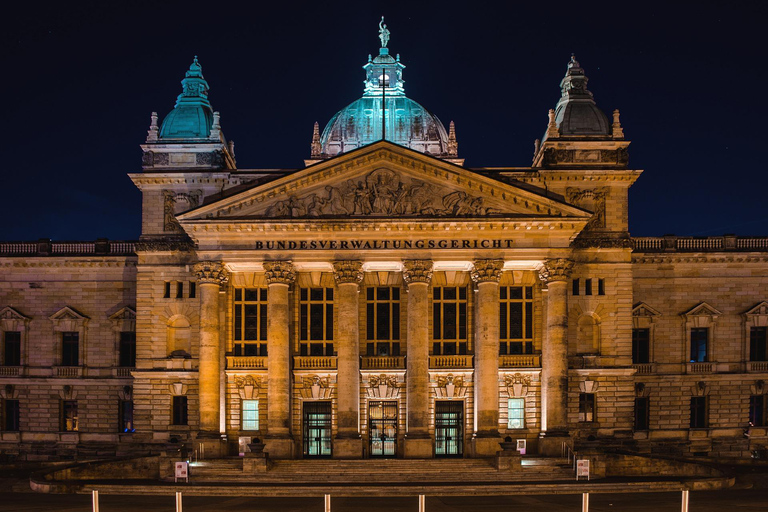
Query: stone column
[[417, 274], [555, 273], [279, 442], [348, 443], [486, 274], [210, 276]]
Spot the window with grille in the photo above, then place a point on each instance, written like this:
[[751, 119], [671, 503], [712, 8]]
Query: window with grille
[[69, 416], [383, 321], [699, 338], [70, 349], [587, 407], [641, 346], [127, 349], [516, 413], [250, 414], [12, 348], [250, 322], [642, 413], [449, 320], [316, 321], [758, 349], [699, 412], [516, 320], [179, 410]]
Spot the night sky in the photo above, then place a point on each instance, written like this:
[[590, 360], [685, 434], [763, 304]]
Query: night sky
[[80, 79]]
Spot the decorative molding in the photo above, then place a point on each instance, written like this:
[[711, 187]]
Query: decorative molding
[[316, 387], [9, 314], [760, 309], [556, 269], [279, 272], [641, 309], [178, 202], [701, 309], [67, 319], [487, 270], [210, 272], [584, 241], [700, 388], [164, 245], [758, 388], [124, 319], [589, 386], [248, 387], [517, 384], [417, 271], [450, 386], [591, 199], [178, 389], [383, 386], [348, 271]]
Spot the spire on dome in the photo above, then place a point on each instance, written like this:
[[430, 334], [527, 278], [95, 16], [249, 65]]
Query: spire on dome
[[453, 145], [316, 147], [192, 117]]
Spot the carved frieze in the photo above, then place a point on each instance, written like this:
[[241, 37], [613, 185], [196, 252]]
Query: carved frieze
[[279, 272], [517, 384], [177, 202], [487, 270], [381, 193], [450, 386], [383, 386], [316, 387], [417, 271], [591, 200], [248, 387], [602, 242], [348, 271], [556, 269], [164, 245], [210, 272]]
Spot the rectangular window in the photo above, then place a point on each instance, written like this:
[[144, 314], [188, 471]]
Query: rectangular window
[[250, 322], [587, 407], [699, 337], [758, 350], [601, 286], [250, 412], [757, 410], [516, 413], [70, 348], [449, 320], [575, 287], [69, 416], [179, 410], [167, 290], [641, 346], [515, 320], [699, 412], [11, 415], [383, 321], [126, 416], [127, 349], [642, 413], [588, 287], [316, 321], [180, 290], [192, 289], [12, 348]]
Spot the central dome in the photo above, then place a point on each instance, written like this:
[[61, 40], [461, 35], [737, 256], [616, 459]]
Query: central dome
[[384, 113]]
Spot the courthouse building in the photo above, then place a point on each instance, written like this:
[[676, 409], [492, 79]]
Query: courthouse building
[[384, 301]]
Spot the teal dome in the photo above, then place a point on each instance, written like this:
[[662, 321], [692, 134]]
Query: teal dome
[[192, 117]]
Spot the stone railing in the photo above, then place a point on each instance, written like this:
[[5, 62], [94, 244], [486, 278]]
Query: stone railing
[[757, 366], [10, 371], [68, 371], [246, 362], [382, 362], [700, 367], [644, 368], [520, 361], [122, 371], [670, 243], [314, 363], [450, 361], [46, 247]]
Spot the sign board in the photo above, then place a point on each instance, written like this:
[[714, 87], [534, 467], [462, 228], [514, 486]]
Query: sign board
[[582, 468], [182, 471]]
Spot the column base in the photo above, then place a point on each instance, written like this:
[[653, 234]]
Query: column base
[[551, 442], [348, 448], [281, 447], [486, 445], [418, 446], [211, 445]]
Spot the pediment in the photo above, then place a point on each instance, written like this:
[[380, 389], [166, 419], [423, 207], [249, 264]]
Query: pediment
[[702, 309], [643, 309], [126, 313], [8, 313], [386, 181], [67, 313], [760, 309]]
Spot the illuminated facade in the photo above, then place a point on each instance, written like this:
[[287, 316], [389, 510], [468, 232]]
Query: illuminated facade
[[384, 301]]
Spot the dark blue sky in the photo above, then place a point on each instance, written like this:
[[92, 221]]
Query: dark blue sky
[[81, 78]]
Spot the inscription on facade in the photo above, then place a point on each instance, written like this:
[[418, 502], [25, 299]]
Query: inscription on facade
[[343, 245]]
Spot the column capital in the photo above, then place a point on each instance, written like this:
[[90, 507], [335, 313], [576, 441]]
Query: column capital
[[210, 272], [279, 272], [417, 271], [556, 269], [348, 271], [487, 270]]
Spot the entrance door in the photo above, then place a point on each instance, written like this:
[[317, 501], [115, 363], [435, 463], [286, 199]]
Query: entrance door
[[382, 428], [449, 431], [317, 429]]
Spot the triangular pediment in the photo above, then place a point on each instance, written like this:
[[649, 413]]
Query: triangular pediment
[[126, 313], [702, 309], [384, 180], [643, 309], [8, 313], [67, 313], [760, 309]]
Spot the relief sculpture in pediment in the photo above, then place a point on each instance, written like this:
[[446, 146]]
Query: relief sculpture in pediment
[[382, 192]]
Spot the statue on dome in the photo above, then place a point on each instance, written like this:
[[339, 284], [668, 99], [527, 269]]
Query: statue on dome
[[383, 33]]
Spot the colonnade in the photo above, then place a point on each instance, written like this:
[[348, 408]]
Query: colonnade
[[417, 275]]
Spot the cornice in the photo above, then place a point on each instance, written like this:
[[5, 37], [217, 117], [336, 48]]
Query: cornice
[[644, 258], [66, 261]]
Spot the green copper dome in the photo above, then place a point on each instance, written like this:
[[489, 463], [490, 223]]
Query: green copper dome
[[192, 117], [384, 112]]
